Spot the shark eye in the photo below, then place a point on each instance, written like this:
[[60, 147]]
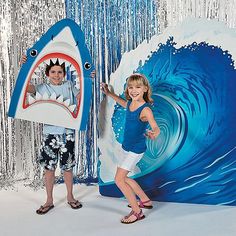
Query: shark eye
[[33, 53], [87, 65]]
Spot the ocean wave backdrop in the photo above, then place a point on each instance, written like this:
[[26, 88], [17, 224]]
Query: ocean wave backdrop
[[193, 82]]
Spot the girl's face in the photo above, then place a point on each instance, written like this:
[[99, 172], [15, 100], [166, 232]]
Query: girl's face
[[136, 91], [56, 75]]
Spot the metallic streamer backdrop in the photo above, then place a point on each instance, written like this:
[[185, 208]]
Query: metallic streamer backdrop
[[21, 23], [172, 12], [109, 32], [111, 28]]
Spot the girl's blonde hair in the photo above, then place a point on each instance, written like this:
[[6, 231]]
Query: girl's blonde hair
[[141, 80]]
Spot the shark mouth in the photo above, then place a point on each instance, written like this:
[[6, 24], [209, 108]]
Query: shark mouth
[[39, 70]]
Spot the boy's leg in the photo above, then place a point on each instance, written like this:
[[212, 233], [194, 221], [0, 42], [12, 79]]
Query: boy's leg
[[67, 162], [49, 183], [68, 178], [48, 159]]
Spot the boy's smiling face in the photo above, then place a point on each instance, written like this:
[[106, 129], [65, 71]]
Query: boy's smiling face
[[56, 75]]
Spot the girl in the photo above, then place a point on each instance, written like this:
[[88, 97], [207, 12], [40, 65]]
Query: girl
[[138, 116]]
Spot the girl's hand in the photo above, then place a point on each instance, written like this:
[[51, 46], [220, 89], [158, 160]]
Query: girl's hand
[[155, 130], [23, 60], [104, 88], [151, 134]]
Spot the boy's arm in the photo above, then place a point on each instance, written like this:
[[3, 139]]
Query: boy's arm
[[78, 98], [119, 100], [76, 90], [152, 134], [93, 74], [30, 87]]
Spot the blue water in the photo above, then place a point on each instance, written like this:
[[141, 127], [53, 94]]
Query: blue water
[[194, 158]]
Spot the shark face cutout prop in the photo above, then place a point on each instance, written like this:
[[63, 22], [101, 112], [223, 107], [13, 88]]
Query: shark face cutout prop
[[63, 45]]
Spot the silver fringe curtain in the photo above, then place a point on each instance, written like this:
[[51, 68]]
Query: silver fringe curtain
[[172, 12], [21, 24], [111, 27]]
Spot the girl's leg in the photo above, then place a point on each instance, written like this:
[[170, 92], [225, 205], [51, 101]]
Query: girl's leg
[[49, 183], [125, 188], [138, 190]]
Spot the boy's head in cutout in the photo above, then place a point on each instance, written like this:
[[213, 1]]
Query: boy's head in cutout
[[55, 72]]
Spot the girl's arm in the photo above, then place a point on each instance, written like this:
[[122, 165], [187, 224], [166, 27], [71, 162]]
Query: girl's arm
[[148, 116], [119, 100]]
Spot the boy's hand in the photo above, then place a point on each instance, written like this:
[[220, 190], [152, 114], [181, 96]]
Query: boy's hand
[[93, 74], [23, 60], [104, 88], [78, 98]]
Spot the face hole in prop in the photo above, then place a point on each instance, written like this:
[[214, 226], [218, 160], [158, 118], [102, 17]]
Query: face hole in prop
[[48, 83]]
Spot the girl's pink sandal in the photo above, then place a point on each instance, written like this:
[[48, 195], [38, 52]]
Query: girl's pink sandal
[[139, 216], [142, 204]]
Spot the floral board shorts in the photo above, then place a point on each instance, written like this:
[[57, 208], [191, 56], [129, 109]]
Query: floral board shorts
[[57, 147]]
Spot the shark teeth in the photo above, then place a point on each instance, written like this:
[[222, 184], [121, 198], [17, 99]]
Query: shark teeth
[[77, 85], [38, 96], [60, 61], [60, 99], [41, 66], [52, 97], [72, 68], [72, 108], [67, 63], [75, 74], [37, 74], [47, 62], [37, 70], [45, 96], [34, 76], [31, 99], [67, 102], [54, 60]]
